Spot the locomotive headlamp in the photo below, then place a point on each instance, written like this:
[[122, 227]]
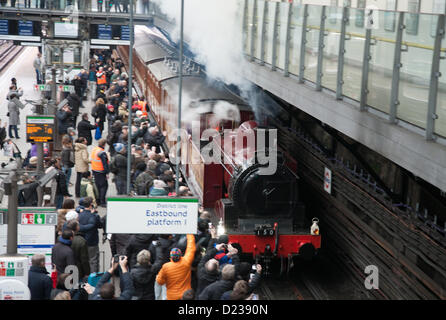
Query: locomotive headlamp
[[314, 230], [221, 228]]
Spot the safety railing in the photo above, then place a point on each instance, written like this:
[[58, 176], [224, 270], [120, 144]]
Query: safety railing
[[390, 61], [141, 7]]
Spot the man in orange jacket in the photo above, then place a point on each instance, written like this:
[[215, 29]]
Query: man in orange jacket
[[176, 274]]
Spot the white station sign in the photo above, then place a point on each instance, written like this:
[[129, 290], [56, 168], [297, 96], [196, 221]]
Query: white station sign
[[152, 215], [13, 289]]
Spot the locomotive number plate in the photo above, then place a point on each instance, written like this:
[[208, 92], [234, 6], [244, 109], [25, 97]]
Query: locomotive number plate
[[264, 232]]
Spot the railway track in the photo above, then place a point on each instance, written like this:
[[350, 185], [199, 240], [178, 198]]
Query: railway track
[[364, 231], [8, 51], [319, 279]]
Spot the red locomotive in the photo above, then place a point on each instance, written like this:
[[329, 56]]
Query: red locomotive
[[260, 212]]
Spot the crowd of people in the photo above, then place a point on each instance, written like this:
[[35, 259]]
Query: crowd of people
[[106, 83], [144, 266], [148, 266]]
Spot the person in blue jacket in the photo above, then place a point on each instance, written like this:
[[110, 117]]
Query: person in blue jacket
[[90, 222], [39, 283]]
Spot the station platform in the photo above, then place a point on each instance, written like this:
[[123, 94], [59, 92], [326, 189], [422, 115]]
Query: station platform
[[22, 69]]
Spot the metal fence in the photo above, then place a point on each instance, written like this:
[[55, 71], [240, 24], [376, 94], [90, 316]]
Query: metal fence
[[389, 61]]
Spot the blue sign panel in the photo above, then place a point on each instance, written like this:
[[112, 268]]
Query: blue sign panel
[[4, 27], [25, 28], [125, 33], [104, 32]]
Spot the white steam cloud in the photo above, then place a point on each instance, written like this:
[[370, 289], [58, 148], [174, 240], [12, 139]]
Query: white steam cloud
[[213, 29]]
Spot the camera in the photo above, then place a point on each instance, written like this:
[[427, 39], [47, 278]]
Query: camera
[[116, 258]]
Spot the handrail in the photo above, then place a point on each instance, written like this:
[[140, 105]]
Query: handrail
[[435, 44]]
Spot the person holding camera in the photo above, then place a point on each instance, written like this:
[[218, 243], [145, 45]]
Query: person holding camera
[[106, 290], [90, 222], [64, 119]]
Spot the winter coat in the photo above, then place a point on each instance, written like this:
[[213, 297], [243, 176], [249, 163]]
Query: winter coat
[[113, 136], [67, 157], [177, 275], [81, 158], [62, 255], [39, 283], [137, 243], [143, 277], [118, 243], [74, 102], [90, 222], [14, 114], [161, 167], [64, 120], [205, 278], [120, 162], [62, 188], [155, 192], [144, 182], [154, 140], [99, 111], [165, 245], [28, 194], [80, 250], [84, 128], [215, 290], [111, 118], [126, 283]]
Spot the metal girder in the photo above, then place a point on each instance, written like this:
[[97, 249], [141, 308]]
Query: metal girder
[[275, 37], [254, 11], [341, 54], [394, 101], [263, 34], [303, 44], [320, 54], [365, 70], [288, 39], [245, 21], [435, 75]]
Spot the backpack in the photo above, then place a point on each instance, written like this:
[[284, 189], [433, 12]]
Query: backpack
[[83, 190], [113, 168], [94, 112], [94, 278]]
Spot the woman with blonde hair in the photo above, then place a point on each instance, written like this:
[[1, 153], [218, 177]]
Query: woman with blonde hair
[[99, 112]]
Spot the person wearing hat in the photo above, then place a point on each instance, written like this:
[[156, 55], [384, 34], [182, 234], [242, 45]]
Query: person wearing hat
[[32, 162], [111, 116], [176, 274]]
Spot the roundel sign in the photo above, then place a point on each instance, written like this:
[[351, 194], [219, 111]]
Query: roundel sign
[[327, 180]]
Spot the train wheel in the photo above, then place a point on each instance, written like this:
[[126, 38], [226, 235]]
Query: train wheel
[[307, 252]]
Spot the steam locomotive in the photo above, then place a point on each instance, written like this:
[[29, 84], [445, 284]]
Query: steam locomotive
[[261, 212]]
